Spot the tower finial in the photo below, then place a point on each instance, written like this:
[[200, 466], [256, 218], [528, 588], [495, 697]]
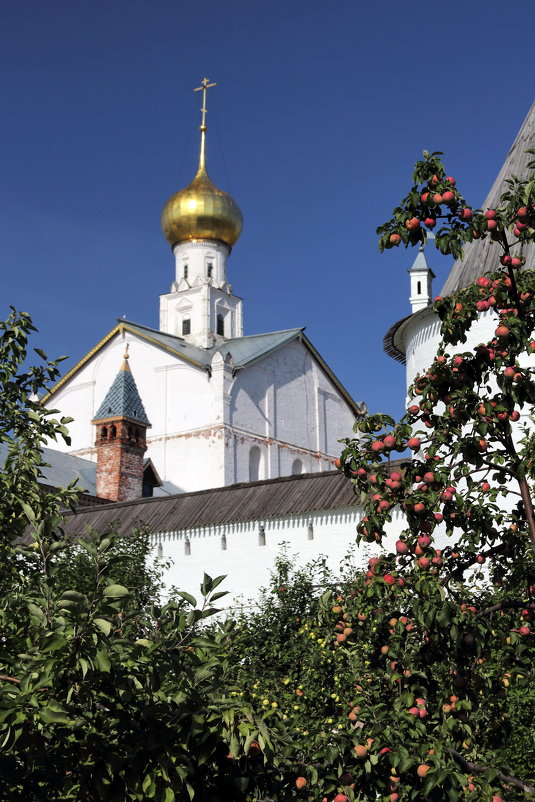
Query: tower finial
[[126, 357], [205, 84]]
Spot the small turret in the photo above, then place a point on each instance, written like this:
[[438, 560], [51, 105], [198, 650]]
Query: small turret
[[421, 282], [121, 441]]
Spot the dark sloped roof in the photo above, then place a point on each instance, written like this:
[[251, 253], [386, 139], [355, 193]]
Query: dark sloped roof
[[480, 256], [122, 399], [272, 498]]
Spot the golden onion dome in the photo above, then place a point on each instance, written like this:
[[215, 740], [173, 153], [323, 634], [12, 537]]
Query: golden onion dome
[[201, 211]]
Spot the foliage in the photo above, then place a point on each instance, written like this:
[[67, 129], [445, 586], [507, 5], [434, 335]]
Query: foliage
[[105, 694]]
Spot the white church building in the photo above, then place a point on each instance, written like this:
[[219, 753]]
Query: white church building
[[234, 436]]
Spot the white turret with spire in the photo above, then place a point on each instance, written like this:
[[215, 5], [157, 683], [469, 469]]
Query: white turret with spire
[[201, 223], [421, 277]]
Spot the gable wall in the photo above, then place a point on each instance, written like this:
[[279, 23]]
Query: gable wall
[[286, 406]]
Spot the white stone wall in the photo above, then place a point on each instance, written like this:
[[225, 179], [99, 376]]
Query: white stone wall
[[204, 427], [247, 563]]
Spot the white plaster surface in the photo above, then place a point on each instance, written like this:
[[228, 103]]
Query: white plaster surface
[[247, 564], [203, 427]]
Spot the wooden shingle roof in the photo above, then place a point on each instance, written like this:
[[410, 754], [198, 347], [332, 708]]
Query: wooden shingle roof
[[251, 501]]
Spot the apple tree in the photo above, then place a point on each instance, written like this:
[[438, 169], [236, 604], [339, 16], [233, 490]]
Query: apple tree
[[456, 637], [414, 679]]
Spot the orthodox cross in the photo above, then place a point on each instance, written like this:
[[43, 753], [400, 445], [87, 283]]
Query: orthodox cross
[[205, 84]]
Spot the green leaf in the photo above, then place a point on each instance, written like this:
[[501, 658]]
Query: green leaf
[[188, 597], [116, 591], [102, 661], [54, 715], [102, 624]]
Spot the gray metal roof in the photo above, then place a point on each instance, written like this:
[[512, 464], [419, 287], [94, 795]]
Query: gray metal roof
[[62, 468], [243, 350], [481, 256], [122, 399], [254, 501]]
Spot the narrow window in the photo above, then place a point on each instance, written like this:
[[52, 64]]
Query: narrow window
[[261, 536], [130, 432], [224, 542], [310, 531], [254, 464], [186, 326], [419, 288], [160, 551], [104, 433], [185, 271], [221, 325], [209, 269], [136, 435], [113, 432], [187, 547]]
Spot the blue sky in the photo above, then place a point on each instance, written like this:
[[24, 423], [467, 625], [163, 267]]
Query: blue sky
[[320, 110]]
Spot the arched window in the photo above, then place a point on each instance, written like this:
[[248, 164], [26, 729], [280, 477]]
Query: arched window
[[297, 467], [261, 536], [130, 432], [104, 432], [113, 432], [160, 551], [136, 435], [224, 542], [186, 326], [209, 269], [187, 547], [221, 325], [254, 464], [310, 531]]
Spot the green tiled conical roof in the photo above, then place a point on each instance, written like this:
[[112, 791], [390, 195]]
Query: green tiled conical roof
[[122, 399]]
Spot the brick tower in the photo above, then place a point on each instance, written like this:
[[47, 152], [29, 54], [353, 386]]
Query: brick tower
[[121, 441]]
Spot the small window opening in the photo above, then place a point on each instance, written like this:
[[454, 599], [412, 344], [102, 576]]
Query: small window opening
[[419, 288], [136, 435], [185, 271], [130, 432], [310, 531], [209, 269], [113, 432], [187, 547], [224, 542], [104, 433], [297, 467], [221, 325], [160, 551], [186, 326], [261, 536], [254, 464]]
